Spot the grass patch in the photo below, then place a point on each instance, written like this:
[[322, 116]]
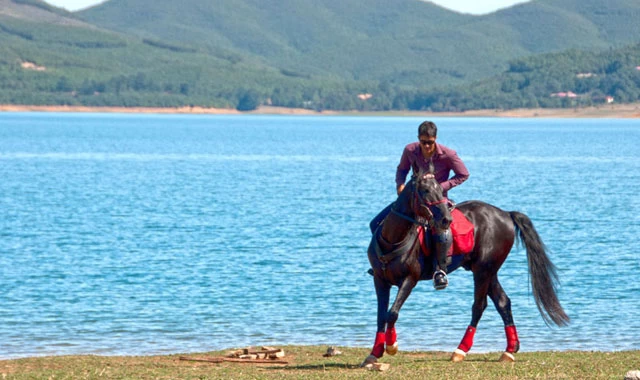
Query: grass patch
[[307, 362]]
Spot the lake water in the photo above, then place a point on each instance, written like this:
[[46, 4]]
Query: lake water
[[149, 234]]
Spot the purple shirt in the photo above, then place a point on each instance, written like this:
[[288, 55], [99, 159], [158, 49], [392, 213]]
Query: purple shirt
[[444, 160]]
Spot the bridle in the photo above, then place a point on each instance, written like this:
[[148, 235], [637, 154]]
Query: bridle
[[411, 239], [416, 201], [428, 205]]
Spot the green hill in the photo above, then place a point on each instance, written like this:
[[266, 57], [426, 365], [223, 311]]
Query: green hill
[[543, 26], [49, 57], [38, 10], [400, 42], [570, 78], [383, 40], [325, 54]]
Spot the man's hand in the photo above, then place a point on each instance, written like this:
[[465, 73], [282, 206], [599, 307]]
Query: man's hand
[[400, 188]]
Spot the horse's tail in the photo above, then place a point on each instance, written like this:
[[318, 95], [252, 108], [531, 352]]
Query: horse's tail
[[541, 270]]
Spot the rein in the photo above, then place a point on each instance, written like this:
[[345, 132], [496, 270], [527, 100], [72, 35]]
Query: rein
[[411, 240], [412, 220]]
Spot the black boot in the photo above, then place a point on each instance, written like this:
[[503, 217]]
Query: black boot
[[440, 279], [442, 243]]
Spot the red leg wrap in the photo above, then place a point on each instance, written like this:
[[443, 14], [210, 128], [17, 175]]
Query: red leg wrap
[[467, 340], [391, 336], [378, 346], [513, 344]]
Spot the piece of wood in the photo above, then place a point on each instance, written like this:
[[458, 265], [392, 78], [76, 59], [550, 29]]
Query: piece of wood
[[332, 351], [377, 366], [234, 360], [209, 360], [245, 351], [276, 354], [383, 366], [272, 351]]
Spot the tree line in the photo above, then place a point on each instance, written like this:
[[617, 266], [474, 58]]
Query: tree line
[[568, 79]]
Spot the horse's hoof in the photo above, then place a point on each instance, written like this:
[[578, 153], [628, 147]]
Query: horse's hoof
[[507, 357], [458, 356], [393, 349], [369, 360]]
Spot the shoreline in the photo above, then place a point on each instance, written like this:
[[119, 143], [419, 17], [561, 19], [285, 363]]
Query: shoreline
[[613, 111], [309, 362], [301, 346]]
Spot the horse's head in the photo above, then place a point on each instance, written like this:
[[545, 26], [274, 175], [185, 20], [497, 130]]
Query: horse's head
[[429, 201]]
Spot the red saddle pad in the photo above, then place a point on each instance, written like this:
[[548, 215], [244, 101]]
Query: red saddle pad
[[463, 233]]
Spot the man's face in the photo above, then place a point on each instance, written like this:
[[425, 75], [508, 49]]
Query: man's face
[[427, 145]]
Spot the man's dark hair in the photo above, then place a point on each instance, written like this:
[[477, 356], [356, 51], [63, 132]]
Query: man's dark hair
[[428, 128]]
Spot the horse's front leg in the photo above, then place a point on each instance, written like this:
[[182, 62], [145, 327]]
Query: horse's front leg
[[383, 291], [386, 332], [403, 293]]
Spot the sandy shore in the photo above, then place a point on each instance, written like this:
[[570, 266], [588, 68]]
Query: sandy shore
[[604, 111]]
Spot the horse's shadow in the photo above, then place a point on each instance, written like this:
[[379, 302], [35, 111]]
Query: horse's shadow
[[358, 366]]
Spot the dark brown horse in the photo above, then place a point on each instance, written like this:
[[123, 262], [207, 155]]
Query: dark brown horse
[[396, 260]]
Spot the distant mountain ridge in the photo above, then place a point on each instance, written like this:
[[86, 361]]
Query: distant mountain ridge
[[543, 26], [407, 42], [321, 54], [50, 56], [39, 11]]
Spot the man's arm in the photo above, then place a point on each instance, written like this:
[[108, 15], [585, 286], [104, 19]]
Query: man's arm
[[459, 169], [403, 169]]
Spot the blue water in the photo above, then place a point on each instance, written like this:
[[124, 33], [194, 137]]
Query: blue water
[[148, 234]]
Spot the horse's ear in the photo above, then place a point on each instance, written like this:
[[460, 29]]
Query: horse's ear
[[417, 170], [432, 168]]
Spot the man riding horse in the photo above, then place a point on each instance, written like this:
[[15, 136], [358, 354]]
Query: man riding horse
[[418, 156], [397, 259]]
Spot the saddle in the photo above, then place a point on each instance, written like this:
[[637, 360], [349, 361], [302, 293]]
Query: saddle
[[462, 231]]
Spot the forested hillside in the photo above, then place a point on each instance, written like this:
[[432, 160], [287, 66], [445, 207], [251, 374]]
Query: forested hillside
[[394, 41], [557, 80], [398, 42], [321, 54], [69, 62]]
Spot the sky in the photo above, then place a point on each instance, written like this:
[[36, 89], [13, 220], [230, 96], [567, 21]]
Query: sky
[[464, 6]]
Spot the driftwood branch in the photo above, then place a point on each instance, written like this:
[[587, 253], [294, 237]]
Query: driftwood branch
[[273, 351], [234, 360]]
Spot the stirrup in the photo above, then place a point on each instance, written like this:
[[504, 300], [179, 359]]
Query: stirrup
[[442, 281]]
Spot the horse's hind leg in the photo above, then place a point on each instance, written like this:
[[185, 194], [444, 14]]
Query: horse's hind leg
[[503, 305], [482, 282]]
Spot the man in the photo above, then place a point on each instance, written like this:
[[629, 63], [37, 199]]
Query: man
[[417, 156]]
